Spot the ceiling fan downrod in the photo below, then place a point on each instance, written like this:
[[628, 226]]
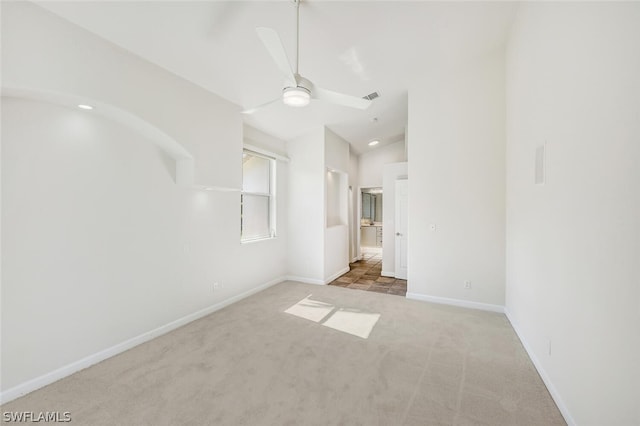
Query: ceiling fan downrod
[[298, 91], [297, 3]]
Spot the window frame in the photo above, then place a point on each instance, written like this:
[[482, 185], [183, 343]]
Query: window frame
[[271, 198]]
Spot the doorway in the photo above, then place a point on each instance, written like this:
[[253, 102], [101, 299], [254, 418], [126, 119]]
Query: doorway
[[364, 274], [366, 269], [370, 238]]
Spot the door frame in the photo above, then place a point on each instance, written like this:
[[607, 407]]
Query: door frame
[[398, 251], [359, 217]]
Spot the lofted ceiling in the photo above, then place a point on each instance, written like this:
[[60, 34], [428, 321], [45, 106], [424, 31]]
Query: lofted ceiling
[[355, 47]]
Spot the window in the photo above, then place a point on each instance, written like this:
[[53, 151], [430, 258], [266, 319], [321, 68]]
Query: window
[[257, 205]]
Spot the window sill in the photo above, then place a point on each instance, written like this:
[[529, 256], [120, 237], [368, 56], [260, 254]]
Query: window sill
[[257, 240]]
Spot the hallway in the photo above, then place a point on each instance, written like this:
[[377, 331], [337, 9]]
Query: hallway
[[365, 275]]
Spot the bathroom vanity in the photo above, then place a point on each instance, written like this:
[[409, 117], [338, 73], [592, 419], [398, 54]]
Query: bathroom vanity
[[371, 218], [371, 235]]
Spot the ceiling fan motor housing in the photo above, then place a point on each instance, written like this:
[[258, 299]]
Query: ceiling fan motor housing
[[300, 82], [298, 95]]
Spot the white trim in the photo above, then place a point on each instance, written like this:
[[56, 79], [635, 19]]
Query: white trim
[[69, 369], [543, 374], [456, 302], [217, 188], [337, 274], [388, 274], [305, 280], [263, 151]]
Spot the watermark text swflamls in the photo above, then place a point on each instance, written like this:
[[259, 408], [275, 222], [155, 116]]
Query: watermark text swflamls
[[36, 417]]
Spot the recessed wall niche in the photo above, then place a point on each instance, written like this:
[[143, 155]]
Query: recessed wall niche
[[336, 193]]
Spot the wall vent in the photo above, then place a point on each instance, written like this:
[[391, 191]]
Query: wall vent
[[371, 96]]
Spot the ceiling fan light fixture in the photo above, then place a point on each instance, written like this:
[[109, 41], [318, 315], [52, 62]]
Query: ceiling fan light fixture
[[296, 96]]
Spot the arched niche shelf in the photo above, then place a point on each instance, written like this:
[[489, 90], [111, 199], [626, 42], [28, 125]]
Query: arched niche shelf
[[184, 160]]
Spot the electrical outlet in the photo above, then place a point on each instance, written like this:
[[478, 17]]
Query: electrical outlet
[[467, 285]]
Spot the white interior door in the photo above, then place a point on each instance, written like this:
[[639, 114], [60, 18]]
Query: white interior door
[[352, 228], [402, 195]]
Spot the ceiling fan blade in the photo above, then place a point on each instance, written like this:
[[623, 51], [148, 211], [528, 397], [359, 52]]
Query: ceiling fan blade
[[254, 109], [340, 98], [272, 42]]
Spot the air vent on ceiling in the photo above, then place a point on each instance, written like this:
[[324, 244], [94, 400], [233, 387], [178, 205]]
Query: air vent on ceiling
[[371, 96]]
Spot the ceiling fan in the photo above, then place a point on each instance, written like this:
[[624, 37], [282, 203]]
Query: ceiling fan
[[298, 91]]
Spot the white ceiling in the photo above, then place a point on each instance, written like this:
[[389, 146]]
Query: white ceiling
[[352, 47]]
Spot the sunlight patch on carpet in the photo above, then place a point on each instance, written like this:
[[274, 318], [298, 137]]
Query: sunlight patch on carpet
[[353, 322], [347, 320], [310, 309]]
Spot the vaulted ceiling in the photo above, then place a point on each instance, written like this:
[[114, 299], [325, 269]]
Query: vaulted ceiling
[[354, 47]]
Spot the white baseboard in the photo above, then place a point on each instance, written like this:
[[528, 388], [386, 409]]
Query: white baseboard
[[543, 374], [456, 302], [374, 249], [305, 280], [67, 370], [388, 274], [337, 274]]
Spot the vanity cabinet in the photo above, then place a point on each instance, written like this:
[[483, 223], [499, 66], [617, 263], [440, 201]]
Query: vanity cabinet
[[371, 236]]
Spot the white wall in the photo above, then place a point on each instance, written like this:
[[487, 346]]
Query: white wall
[[256, 137], [336, 253], [371, 163], [306, 226], [96, 232], [317, 252], [99, 243], [335, 184], [457, 182], [574, 242], [336, 151], [44, 53], [391, 173]]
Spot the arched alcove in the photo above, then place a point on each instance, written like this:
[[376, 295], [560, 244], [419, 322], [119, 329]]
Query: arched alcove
[[183, 159]]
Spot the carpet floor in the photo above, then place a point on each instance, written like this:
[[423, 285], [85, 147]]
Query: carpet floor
[[335, 357]]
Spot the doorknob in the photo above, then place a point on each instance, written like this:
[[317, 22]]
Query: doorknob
[[398, 234]]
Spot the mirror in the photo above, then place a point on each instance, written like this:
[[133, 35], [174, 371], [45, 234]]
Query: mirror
[[372, 205]]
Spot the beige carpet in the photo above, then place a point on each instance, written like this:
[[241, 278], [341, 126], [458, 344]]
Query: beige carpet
[[253, 364]]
